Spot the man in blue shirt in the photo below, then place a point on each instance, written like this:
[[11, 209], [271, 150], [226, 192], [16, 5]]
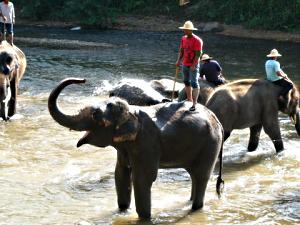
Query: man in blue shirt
[[276, 75], [212, 70]]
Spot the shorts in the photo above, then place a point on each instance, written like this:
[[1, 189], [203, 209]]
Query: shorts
[[191, 78], [8, 27]]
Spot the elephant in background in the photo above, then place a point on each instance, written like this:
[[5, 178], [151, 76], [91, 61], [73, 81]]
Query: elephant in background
[[138, 92], [12, 68], [206, 88], [254, 103], [166, 87], [146, 139]]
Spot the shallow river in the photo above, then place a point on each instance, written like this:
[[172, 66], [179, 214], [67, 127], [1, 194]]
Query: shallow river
[[45, 179]]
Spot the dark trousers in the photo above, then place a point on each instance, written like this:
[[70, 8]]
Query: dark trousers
[[286, 86]]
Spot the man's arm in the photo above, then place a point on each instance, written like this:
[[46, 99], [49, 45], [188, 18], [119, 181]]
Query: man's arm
[[196, 59]]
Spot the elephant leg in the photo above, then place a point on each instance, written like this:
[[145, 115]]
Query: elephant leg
[[123, 186], [226, 134], [200, 187], [142, 193], [201, 180], [273, 131], [193, 188], [254, 137], [12, 102]]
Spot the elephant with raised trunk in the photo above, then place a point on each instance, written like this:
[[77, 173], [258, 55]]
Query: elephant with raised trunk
[[12, 68], [166, 135], [254, 103]]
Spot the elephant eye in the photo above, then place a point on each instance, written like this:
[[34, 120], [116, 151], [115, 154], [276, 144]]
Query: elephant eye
[[97, 114], [109, 105]]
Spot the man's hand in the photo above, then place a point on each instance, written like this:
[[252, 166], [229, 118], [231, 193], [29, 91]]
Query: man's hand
[[193, 67]]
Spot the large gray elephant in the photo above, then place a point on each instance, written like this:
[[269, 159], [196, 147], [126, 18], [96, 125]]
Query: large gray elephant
[[12, 68], [148, 138], [254, 103]]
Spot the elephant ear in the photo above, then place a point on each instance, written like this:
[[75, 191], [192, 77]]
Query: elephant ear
[[123, 122], [128, 130]]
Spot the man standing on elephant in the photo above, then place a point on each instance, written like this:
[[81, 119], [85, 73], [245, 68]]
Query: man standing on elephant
[[189, 53], [276, 75], [7, 19]]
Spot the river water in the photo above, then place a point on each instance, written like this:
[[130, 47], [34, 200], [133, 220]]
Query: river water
[[45, 179]]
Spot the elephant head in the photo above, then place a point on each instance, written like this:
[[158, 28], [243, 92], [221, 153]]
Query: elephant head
[[292, 108], [107, 124]]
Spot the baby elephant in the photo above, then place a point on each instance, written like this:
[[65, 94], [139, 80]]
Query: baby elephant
[[165, 135]]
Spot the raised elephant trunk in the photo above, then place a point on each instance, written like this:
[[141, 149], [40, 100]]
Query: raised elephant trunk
[[297, 122], [78, 122]]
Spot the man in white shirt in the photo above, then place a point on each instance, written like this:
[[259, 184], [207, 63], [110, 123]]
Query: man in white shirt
[[7, 19]]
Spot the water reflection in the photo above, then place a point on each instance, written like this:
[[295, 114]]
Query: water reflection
[[46, 180]]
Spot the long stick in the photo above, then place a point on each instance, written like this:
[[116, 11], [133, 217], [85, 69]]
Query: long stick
[[175, 78]]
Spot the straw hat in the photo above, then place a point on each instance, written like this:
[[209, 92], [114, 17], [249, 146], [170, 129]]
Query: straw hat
[[205, 57], [188, 25], [274, 53]]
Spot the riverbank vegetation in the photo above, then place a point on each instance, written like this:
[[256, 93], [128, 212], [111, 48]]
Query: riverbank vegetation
[[270, 15]]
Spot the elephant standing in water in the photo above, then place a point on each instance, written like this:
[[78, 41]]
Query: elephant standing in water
[[12, 68], [253, 103], [166, 135]]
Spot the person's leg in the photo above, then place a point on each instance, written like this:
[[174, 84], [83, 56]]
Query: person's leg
[[1, 32], [195, 86], [187, 82], [285, 85], [10, 33]]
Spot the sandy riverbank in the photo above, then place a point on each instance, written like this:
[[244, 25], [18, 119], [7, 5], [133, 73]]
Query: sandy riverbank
[[165, 24]]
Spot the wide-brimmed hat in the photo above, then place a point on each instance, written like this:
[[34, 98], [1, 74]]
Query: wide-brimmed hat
[[274, 53], [188, 25], [205, 57]]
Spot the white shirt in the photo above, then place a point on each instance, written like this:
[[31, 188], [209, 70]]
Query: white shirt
[[8, 11]]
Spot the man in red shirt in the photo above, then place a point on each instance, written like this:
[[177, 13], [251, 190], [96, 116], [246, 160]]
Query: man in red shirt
[[189, 53]]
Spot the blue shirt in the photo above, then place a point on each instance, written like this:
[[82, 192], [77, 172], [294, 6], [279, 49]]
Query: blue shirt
[[211, 70], [272, 66]]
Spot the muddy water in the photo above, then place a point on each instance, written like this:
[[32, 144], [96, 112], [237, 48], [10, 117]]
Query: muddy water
[[45, 179]]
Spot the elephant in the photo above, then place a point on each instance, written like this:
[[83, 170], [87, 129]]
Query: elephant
[[138, 92], [165, 135], [12, 68], [254, 103], [166, 87]]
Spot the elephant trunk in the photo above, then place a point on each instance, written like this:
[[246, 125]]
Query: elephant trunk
[[297, 124], [74, 122]]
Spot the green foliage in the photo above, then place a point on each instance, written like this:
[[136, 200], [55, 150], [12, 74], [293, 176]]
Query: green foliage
[[266, 14]]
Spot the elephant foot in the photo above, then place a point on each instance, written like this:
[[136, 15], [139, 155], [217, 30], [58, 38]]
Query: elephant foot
[[123, 207], [279, 150], [278, 146], [144, 215], [252, 147], [197, 206]]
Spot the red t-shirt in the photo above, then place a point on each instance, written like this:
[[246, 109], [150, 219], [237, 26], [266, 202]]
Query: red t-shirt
[[190, 45]]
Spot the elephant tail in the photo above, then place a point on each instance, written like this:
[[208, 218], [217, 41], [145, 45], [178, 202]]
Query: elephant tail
[[220, 181]]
